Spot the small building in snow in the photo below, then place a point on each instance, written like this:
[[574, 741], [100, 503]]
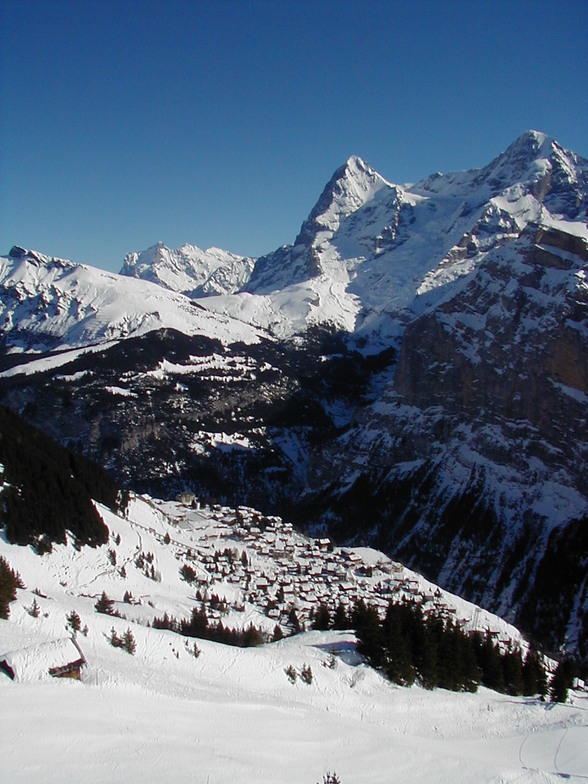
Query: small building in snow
[[58, 659]]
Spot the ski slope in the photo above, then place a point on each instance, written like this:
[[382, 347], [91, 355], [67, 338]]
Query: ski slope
[[232, 714]]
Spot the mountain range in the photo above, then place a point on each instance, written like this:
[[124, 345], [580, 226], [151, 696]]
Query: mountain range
[[411, 373]]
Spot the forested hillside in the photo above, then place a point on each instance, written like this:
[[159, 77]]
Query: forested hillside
[[47, 490]]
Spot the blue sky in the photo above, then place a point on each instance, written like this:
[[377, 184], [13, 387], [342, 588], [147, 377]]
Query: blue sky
[[219, 123]]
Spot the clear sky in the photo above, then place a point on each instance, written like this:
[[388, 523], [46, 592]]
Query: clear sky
[[218, 122]]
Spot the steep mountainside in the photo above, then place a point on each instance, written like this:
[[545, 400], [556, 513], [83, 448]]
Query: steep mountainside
[[371, 256], [410, 372], [472, 462]]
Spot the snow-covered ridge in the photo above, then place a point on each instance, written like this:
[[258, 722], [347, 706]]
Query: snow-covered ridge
[[367, 253], [190, 270], [369, 249], [48, 303]]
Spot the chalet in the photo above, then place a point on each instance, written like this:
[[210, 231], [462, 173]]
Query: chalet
[[347, 587], [352, 557], [58, 659]]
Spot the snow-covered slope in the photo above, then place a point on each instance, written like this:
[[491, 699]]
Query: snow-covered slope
[[233, 714], [48, 303], [190, 270]]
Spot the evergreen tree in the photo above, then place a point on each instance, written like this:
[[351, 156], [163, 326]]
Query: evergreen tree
[[51, 489], [104, 604], [293, 621], [74, 622], [9, 582], [252, 637], [534, 679], [340, 619], [35, 610], [322, 618], [562, 681], [114, 639], [492, 673], [278, 634], [306, 674], [426, 651], [128, 642], [396, 639], [512, 666]]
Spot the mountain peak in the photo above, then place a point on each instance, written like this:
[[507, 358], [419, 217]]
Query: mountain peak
[[351, 186], [535, 143], [354, 165], [189, 269]]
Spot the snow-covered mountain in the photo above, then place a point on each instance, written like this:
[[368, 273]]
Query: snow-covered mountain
[[410, 372], [54, 304], [190, 270], [372, 255]]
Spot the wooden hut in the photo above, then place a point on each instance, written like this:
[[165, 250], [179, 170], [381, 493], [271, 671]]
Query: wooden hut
[[58, 658]]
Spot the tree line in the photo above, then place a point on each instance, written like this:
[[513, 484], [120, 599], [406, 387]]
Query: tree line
[[409, 646], [199, 626]]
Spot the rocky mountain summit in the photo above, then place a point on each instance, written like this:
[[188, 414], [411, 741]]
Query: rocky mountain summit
[[411, 372], [190, 270]]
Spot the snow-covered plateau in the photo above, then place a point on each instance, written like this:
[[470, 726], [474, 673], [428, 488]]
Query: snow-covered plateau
[[232, 714]]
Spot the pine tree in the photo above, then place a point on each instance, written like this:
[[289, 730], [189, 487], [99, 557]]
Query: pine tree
[[278, 634], [35, 609], [512, 667], [322, 618], [492, 673], [291, 673], [306, 674], [293, 621], [562, 681], [74, 622], [9, 582], [114, 639], [104, 604], [340, 619], [331, 778], [128, 642], [399, 664], [534, 679]]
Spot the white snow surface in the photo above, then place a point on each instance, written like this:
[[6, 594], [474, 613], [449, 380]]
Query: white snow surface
[[232, 714]]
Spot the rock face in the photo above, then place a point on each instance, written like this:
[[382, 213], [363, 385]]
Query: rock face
[[412, 372], [511, 344], [475, 453]]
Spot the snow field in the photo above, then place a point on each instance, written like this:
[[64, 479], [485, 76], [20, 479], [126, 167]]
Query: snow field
[[233, 714]]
